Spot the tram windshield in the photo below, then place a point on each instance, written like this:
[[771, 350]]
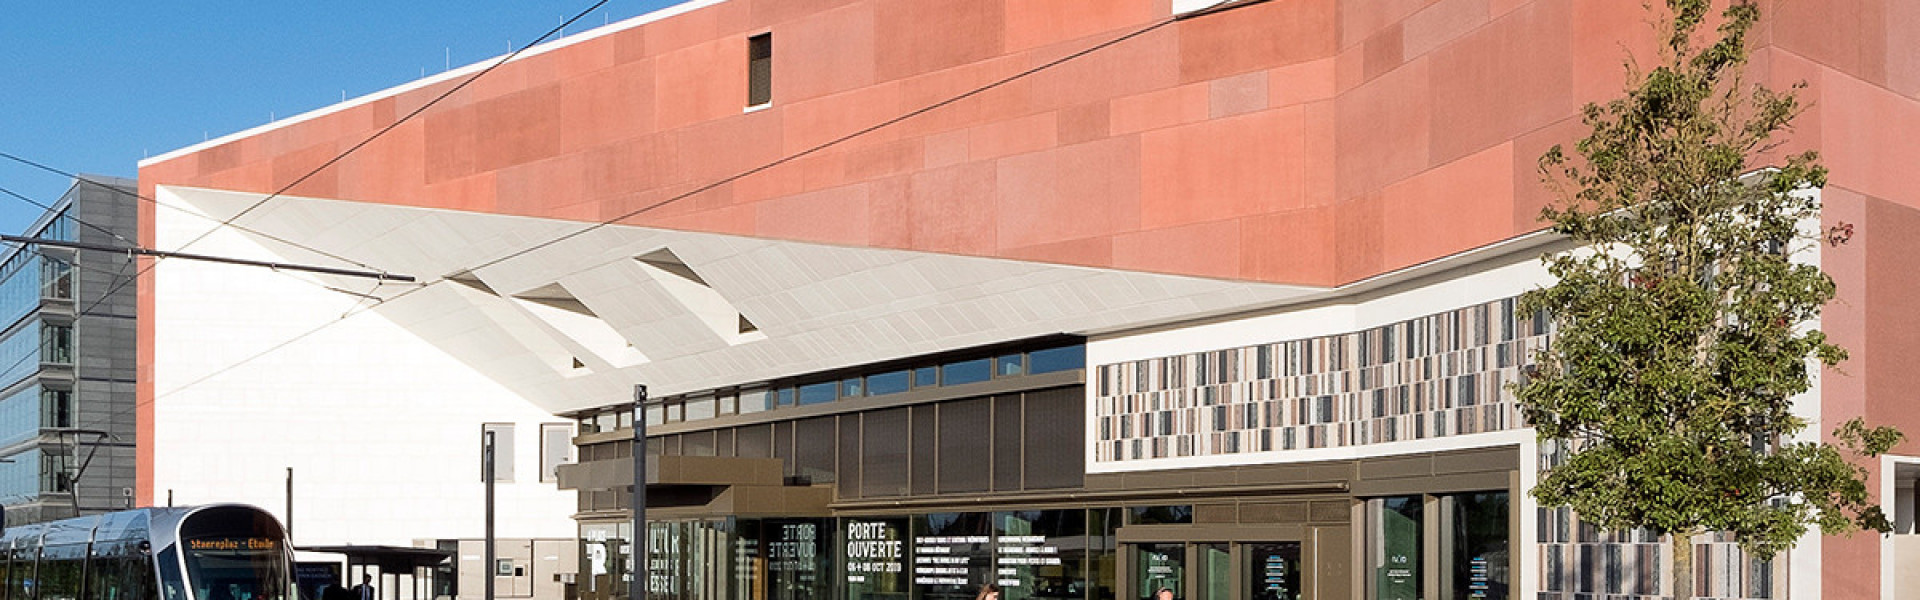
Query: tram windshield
[[235, 553], [237, 568]]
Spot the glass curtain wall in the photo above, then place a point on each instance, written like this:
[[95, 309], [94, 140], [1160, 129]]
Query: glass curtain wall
[[1031, 555]]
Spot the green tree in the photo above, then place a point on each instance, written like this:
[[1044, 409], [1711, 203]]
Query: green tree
[[1684, 325]]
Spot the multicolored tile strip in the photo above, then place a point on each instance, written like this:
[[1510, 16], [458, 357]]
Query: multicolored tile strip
[[1579, 561], [1434, 376]]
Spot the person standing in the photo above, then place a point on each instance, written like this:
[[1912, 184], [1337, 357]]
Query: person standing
[[364, 591]]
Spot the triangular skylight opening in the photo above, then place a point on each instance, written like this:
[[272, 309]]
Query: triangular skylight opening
[[467, 278], [665, 260]]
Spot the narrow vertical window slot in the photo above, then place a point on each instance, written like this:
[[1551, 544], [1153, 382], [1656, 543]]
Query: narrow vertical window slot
[[760, 70]]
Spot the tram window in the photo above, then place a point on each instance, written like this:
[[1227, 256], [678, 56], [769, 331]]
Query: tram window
[[172, 585], [17, 578], [59, 577]]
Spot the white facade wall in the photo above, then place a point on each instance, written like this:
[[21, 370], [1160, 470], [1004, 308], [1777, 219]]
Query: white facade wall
[[256, 372]]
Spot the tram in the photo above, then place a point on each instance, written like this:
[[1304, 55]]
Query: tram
[[212, 552]]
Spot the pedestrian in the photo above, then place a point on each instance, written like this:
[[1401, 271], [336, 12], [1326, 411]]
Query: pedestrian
[[364, 591], [988, 592]]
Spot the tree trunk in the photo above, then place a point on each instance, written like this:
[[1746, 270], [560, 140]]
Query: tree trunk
[[1683, 565]]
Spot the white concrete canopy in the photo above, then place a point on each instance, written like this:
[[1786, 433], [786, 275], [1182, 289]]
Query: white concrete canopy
[[573, 324]]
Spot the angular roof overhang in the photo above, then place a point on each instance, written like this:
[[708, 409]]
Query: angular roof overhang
[[571, 316]]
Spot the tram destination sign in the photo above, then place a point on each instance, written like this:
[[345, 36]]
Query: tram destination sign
[[233, 543]]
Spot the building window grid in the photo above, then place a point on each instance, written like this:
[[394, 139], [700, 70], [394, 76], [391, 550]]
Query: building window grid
[[746, 401]]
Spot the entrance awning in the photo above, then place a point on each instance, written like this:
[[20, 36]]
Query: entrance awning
[[389, 559]]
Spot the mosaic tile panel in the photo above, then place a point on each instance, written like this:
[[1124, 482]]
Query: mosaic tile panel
[[1581, 562], [1434, 376]]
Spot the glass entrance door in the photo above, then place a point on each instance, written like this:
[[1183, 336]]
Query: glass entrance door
[[1271, 571], [1160, 566], [1220, 570]]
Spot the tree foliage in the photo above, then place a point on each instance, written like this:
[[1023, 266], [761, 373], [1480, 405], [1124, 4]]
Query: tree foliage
[[1684, 329]]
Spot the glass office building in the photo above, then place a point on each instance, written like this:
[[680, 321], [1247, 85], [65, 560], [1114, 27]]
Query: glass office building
[[67, 359]]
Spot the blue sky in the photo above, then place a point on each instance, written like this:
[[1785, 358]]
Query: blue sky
[[94, 86]]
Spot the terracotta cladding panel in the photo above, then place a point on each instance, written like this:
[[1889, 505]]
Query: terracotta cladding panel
[[1383, 130], [1442, 22], [390, 169], [809, 123], [1843, 389], [1892, 247], [1035, 24], [837, 216], [1847, 35], [1530, 194], [450, 140], [1144, 63], [1223, 168], [1359, 20], [1903, 31], [952, 209], [1256, 37], [824, 53], [1501, 81], [1868, 135], [918, 36], [1203, 249], [768, 13], [1292, 247], [715, 149], [1358, 238], [1459, 205], [1091, 252], [698, 27], [299, 167], [1069, 193], [606, 105], [700, 84]]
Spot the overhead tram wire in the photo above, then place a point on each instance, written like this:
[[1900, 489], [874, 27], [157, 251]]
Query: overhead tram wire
[[228, 222], [158, 204], [397, 122], [49, 208], [135, 245], [783, 160]]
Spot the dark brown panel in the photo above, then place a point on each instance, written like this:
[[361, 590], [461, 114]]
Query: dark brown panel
[[698, 443], [1055, 454], [1273, 512], [1481, 460], [1401, 466], [883, 453], [1330, 511], [847, 474], [964, 446], [1215, 513], [814, 448], [925, 444], [1007, 437], [755, 441], [1468, 482]]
